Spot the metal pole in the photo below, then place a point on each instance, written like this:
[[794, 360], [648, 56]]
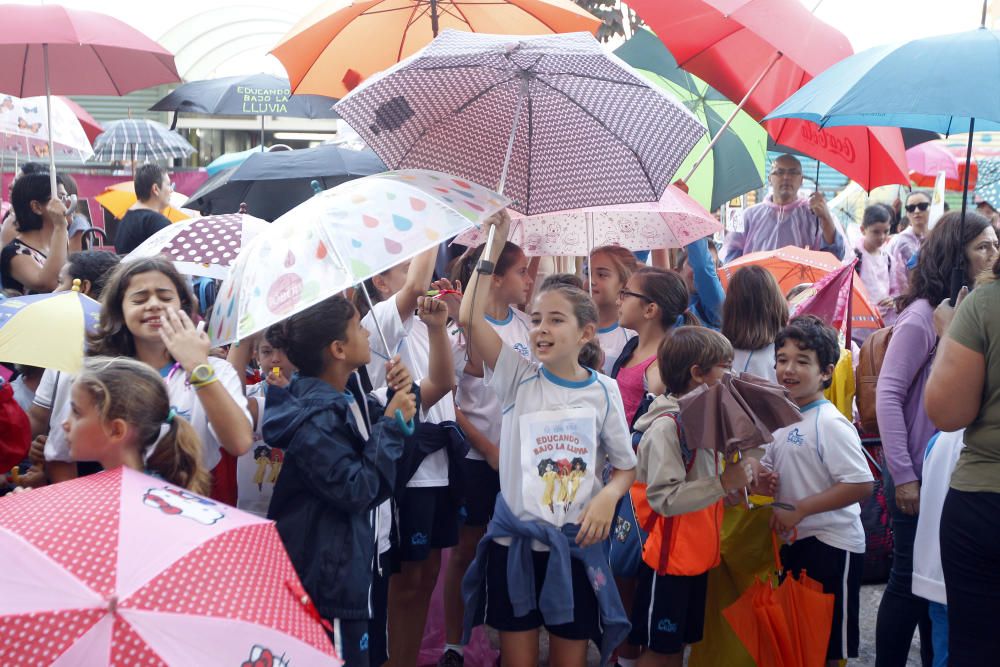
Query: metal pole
[[48, 120], [262, 133], [958, 273], [434, 18]]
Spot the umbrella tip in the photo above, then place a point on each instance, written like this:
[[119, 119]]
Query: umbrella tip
[[76, 285], [243, 208], [317, 188]]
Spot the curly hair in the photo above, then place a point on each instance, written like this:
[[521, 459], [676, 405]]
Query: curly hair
[[811, 333], [931, 279]]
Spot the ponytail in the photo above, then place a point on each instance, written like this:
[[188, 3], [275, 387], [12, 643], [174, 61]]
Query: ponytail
[[688, 318], [591, 355], [176, 457]]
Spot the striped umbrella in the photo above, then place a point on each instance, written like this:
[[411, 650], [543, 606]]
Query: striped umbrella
[[139, 140]]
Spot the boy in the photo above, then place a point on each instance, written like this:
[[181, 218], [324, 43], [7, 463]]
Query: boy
[[679, 492], [822, 472]]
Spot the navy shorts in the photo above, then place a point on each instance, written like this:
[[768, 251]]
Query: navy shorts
[[428, 519], [482, 484], [352, 642], [364, 643], [669, 611], [840, 573], [500, 611]]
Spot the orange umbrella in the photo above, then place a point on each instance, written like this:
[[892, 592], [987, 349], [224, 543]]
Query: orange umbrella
[[793, 266], [331, 50], [783, 626], [120, 197]]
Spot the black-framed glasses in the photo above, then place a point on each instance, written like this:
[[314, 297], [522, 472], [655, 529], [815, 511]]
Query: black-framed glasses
[[622, 293], [922, 206]]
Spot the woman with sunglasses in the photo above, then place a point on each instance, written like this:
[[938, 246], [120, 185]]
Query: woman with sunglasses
[[906, 244]]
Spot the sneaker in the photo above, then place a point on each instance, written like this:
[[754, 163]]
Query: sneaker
[[451, 658]]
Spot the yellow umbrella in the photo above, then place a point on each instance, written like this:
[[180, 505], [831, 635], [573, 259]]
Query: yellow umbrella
[[47, 330], [120, 197]]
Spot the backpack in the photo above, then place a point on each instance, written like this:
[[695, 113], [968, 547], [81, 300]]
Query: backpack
[[866, 377]]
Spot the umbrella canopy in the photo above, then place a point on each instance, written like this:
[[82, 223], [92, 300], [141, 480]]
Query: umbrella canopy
[[202, 246], [25, 130], [793, 266], [553, 120], [988, 184], [735, 164], [47, 330], [246, 95], [740, 48], [229, 160], [271, 183], [90, 125], [120, 197], [140, 140], [330, 50], [114, 568], [339, 238], [927, 159], [673, 222]]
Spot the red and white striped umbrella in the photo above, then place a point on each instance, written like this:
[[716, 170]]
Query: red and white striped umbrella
[[120, 568], [202, 246]]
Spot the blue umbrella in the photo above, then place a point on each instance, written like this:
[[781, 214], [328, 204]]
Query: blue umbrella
[[923, 84], [228, 160]]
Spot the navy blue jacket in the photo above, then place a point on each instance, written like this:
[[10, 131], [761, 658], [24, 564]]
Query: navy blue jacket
[[331, 482]]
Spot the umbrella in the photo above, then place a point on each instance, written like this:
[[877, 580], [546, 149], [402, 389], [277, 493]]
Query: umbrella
[[229, 160], [917, 87], [735, 164], [248, 95], [793, 266], [927, 159], [831, 299], [673, 222], [274, 182], [202, 246], [139, 139], [120, 568], [988, 184], [120, 197], [90, 125], [47, 330], [761, 51], [339, 238], [49, 48], [24, 129], [331, 50]]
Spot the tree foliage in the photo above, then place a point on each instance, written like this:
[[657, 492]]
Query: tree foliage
[[611, 15]]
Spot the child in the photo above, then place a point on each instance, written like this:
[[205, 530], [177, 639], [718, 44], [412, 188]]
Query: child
[[752, 315], [820, 470], [610, 268], [478, 413], [121, 416], [683, 489], [146, 311], [874, 263], [554, 412]]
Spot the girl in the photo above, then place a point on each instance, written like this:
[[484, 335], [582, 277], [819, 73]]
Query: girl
[[556, 410], [32, 261], [121, 416], [874, 263], [752, 315], [146, 310], [610, 268], [479, 415], [651, 304], [906, 244]]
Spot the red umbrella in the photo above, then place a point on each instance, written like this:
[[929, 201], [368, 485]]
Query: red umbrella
[[759, 52], [49, 49], [90, 126], [927, 159]]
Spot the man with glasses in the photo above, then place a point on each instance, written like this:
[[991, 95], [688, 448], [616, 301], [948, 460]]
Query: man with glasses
[[152, 190], [783, 219]]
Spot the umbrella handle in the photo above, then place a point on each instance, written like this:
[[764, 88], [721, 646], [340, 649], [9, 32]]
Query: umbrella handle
[[407, 427]]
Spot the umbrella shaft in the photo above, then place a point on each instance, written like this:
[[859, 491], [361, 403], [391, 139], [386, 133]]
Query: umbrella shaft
[[958, 273], [48, 120]]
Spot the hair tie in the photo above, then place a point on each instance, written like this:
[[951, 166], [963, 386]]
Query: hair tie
[[170, 416]]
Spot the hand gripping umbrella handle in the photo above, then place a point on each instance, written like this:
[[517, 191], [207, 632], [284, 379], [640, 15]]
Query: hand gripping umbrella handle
[[407, 427]]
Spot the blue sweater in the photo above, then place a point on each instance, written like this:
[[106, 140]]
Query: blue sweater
[[556, 600]]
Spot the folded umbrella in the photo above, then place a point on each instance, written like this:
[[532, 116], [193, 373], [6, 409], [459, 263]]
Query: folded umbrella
[[47, 330]]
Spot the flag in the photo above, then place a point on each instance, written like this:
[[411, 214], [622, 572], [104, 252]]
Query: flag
[[937, 201]]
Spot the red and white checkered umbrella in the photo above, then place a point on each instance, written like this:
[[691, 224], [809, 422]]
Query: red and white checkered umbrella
[[202, 246], [120, 568]]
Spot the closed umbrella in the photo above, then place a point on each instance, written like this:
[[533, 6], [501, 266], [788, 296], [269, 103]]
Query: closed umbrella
[[139, 140]]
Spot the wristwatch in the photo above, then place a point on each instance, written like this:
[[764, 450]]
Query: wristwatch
[[201, 376]]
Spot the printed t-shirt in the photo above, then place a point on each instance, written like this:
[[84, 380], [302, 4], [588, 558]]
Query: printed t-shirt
[[810, 457], [612, 340], [554, 438], [410, 341], [757, 362], [257, 471], [478, 401], [53, 394]]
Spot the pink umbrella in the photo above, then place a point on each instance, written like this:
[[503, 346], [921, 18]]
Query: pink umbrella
[[49, 49], [925, 161], [673, 222], [123, 569]]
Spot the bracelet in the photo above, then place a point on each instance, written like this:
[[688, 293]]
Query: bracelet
[[202, 385]]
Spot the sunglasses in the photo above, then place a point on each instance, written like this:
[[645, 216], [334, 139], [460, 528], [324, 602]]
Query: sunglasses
[[624, 293], [913, 208]]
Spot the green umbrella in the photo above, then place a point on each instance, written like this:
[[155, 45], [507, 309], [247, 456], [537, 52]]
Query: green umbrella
[[735, 164]]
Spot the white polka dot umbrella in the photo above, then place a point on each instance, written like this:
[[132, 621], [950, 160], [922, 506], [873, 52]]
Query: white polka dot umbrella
[[202, 246], [122, 569]]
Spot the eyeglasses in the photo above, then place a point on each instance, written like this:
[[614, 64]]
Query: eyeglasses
[[781, 173], [922, 206], [622, 293]]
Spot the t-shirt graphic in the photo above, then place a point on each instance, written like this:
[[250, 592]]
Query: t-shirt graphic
[[557, 463]]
